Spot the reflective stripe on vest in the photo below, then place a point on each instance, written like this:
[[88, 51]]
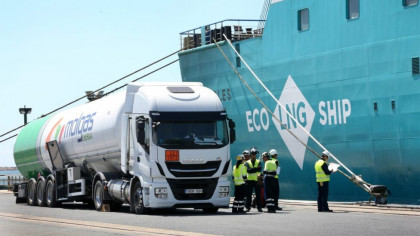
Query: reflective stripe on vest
[[253, 176], [238, 174], [320, 175]]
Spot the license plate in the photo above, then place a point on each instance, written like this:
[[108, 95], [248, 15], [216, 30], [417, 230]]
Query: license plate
[[193, 191]]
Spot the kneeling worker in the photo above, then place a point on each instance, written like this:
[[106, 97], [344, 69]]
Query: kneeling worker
[[239, 176]]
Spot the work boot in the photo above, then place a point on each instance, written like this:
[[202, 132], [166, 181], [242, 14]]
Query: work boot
[[260, 210], [279, 208]]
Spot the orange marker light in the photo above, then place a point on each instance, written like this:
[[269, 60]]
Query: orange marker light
[[172, 155]]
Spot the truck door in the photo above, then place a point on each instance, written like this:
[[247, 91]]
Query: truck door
[[140, 143]]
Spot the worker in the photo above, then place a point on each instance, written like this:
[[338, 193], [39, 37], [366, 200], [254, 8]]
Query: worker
[[246, 154], [322, 179], [270, 172], [253, 168], [239, 176], [273, 154]]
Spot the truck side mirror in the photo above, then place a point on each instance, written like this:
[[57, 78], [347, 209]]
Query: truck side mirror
[[232, 132]]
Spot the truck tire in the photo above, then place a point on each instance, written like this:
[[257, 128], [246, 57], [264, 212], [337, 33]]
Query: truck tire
[[31, 192], [136, 201], [50, 194], [40, 193], [98, 195]]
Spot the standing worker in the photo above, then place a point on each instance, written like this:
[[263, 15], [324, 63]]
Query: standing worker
[[322, 179], [239, 177], [273, 154], [270, 181], [253, 168], [246, 154]]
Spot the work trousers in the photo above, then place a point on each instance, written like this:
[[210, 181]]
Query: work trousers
[[269, 187], [251, 185], [323, 196], [276, 193], [238, 202]]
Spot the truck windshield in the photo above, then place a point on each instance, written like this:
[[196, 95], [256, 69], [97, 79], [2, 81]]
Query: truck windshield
[[198, 134]]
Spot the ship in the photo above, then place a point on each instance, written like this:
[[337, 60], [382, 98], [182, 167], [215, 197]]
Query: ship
[[346, 70]]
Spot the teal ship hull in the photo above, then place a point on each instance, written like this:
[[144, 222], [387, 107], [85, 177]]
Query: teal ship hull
[[348, 73]]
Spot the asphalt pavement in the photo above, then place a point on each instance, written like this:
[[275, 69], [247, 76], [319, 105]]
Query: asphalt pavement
[[297, 218]]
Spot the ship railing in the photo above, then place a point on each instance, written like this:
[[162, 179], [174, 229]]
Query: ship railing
[[234, 29], [264, 13]]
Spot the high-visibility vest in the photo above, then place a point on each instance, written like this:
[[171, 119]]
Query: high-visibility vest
[[239, 174], [270, 166], [320, 174], [253, 176]]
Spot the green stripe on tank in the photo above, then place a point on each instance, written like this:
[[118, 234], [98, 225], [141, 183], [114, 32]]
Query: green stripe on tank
[[25, 155]]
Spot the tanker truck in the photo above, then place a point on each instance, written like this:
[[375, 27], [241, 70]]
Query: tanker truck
[[155, 145]]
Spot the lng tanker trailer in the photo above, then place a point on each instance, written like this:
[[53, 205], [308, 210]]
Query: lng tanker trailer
[[156, 145]]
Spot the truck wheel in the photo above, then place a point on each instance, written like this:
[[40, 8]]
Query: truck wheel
[[98, 195], [40, 191], [211, 210], [50, 194], [137, 199], [31, 193]]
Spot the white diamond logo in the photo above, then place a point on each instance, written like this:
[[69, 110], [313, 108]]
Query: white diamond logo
[[297, 105]]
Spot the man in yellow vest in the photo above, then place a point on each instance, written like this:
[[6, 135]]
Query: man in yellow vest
[[246, 154], [253, 168], [270, 182], [239, 175], [273, 154], [322, 179]]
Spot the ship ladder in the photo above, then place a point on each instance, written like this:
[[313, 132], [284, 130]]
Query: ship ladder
[[380, 192]]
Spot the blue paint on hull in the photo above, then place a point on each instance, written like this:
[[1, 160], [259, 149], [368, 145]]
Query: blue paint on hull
[[342, 68]]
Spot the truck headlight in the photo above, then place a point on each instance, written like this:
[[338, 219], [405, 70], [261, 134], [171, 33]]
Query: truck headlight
[[161, 193]]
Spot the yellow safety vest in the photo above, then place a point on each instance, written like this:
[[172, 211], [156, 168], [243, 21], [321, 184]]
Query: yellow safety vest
[[320, 174], [239, 174], [270, 166], [253, 176]]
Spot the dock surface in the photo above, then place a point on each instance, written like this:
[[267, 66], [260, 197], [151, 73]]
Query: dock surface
[[297, 218]]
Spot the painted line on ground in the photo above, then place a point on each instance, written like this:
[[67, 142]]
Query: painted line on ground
[[117, 228]]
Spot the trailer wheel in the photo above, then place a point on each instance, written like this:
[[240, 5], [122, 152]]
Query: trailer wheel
[[31, 193], [50, 194], [40, 191], [137, 199], [98, 195]]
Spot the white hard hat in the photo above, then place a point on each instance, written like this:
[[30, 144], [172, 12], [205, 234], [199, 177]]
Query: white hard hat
[[273, 152], [326, 153]]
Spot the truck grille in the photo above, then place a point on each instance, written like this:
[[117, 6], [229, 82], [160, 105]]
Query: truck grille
[[179, 188], [193, 170]]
